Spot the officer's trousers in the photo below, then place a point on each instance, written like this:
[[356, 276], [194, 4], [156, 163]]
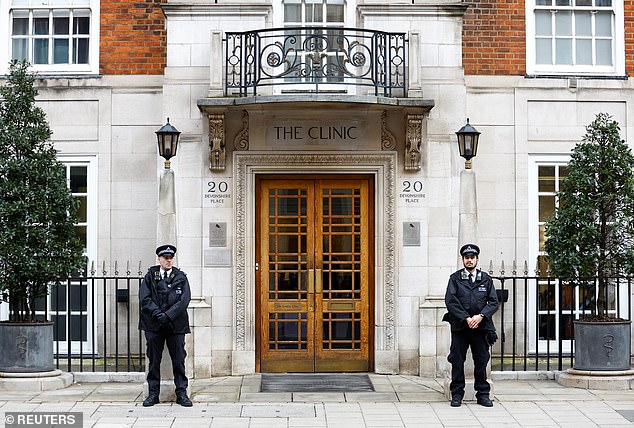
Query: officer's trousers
[[461, 340], [176, 346]]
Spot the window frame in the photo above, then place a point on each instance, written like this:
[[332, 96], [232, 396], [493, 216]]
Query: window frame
[[535, 251], [349, 8], [349, 19], [90, 253], [6, 38], [617, 69], [574, 311]]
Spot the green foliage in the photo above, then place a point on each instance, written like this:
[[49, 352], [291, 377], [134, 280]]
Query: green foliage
[[38, 244], [592, 233]]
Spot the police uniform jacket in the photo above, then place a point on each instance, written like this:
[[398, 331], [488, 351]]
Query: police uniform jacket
[[465, 299], [171, 296]]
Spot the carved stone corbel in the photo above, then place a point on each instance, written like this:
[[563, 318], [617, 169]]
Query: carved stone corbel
[[413, 142], [241, 142], [217, 157], [388, 141]]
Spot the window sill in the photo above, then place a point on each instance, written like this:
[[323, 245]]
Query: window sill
[[575, 76]]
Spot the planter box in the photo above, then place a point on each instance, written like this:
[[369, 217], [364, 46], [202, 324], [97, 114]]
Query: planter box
[[602, 345], [26, 347]]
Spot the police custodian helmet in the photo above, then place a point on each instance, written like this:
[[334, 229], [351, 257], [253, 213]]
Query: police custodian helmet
[[166, 251], [470, 250]]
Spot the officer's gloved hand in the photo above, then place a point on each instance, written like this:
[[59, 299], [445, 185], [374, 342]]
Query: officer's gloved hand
[[162, 318]]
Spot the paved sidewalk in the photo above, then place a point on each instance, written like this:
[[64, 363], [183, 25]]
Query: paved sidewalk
[[399, 401]]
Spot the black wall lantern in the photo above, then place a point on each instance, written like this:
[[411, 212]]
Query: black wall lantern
[[167, 138], [468, 138]]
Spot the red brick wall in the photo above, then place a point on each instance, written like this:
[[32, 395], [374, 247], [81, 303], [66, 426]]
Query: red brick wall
[[628, 6], [494, 38], [133, 37]]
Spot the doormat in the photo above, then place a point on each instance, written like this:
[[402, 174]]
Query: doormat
[[301, 382]]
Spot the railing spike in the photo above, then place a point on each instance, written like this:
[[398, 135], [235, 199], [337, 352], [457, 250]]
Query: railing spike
[[502, 268], [490, 267], [116, 268], [514, 271], [92, 268], [127, 268], [104, 268], [525, 268], [140, 271]]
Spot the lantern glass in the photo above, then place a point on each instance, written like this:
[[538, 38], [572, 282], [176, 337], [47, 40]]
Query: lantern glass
[[468, 138], [167, 138]]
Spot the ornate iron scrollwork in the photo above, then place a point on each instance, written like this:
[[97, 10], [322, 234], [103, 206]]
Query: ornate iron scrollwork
[[314, 56]]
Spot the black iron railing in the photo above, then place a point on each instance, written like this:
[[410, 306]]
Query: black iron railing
[[96, 323], [96, 320], [536, 315], [315, 59]]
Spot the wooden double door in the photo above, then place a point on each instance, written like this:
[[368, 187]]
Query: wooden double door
[[315, 278]]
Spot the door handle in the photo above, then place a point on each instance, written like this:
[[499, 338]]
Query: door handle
[[311, 281], [318, 281]]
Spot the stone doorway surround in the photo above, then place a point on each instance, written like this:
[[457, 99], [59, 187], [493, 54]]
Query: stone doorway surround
[[381, 165]]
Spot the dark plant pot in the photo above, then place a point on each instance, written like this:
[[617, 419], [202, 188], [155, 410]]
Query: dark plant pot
[[26, 347], [602, 345]]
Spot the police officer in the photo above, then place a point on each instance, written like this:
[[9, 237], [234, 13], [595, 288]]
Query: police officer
[[471, 301], [163, 299]]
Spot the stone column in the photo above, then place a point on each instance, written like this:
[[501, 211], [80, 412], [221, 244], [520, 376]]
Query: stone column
[[166, 234], [468, 220], [166, 226], [467, 233]]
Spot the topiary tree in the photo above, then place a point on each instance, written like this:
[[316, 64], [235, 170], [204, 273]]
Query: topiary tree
[[38, 244], [592, 232]]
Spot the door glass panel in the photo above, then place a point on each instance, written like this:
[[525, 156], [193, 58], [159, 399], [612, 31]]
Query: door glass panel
[[566, 327], [546, 297], [341, 209], [547, 327], [342, 330], [59, 329], [338, 241], [287, 236], [78, 329], [287, 331], [78, 297]]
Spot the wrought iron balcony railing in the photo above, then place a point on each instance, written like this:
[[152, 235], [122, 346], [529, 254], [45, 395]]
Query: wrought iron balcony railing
[[316, 59]]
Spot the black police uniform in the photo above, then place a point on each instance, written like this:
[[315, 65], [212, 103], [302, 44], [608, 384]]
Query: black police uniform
[[464, 299], [163, 317]]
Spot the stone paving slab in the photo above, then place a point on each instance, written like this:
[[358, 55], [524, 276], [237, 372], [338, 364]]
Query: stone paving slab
[[319, 397], [278, 410], [518, 403], [216, 397]]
